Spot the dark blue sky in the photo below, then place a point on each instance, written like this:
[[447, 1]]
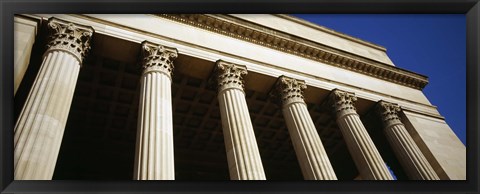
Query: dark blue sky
[[432, 45]]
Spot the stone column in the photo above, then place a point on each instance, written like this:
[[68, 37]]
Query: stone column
[[411, 158], [154, 148], [40, 126], [312, 157], [243, 157], [364, 153], [24, 37]]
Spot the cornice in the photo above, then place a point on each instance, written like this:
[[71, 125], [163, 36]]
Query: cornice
[[277, 40], [330, 31]]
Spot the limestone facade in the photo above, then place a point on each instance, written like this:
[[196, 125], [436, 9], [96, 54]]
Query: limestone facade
[[202, 96]]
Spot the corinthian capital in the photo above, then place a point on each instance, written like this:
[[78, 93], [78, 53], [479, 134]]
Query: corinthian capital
[[342, 102], [389, 113], [158, 58], [229, 75], [69, 37], [289, 90]]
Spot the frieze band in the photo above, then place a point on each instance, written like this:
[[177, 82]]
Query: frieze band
[[321, 53]]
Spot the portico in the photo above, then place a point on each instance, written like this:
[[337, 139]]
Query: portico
[[166, 106]]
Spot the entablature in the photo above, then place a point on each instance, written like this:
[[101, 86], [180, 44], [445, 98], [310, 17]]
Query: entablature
[[112, 26], [301, 47]]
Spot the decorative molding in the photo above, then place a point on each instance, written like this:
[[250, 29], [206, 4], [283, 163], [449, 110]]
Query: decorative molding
[[69, 37], [229, 75], [158, 58], [342, 102], [138, 35], [308, 49], [389, 113], [288, 90], [331, 31]]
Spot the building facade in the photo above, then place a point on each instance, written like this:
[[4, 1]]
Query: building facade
[[218, 97]]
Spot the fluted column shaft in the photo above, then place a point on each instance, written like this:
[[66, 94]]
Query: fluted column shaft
[[243, 157], [154, 158], [310, 152], [364, 153], [41, 124], [411, 158]]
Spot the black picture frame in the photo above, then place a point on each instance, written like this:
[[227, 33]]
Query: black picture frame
[[8, 8]]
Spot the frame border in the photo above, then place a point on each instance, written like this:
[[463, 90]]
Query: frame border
[[9, 7]]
